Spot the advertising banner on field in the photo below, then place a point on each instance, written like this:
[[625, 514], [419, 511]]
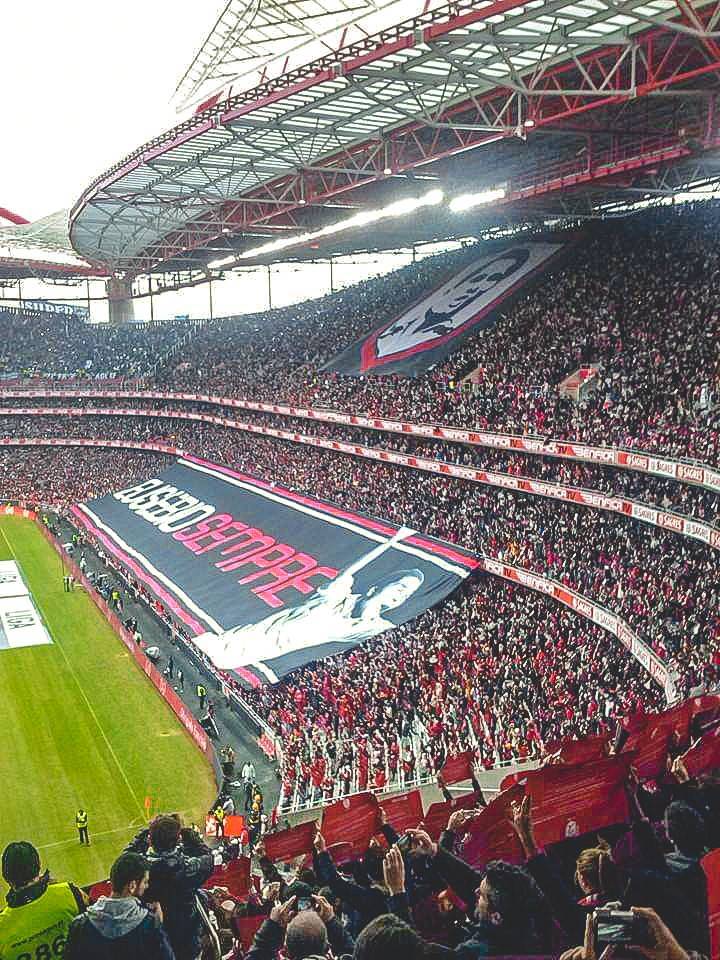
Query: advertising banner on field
[[20, 624], [11, 581], [265, 579], [428, 331]]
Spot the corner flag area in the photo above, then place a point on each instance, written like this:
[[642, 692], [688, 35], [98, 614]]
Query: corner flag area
[[81, 725]]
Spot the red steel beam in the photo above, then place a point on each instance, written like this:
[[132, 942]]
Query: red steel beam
[[662, 66], [664, 59], [11, 217]]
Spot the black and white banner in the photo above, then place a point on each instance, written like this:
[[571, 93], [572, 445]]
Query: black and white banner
[[433, 327], [265, 579]]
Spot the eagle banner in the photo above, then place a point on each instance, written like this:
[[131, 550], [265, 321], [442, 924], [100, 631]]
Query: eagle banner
[[265, 579], [433, 327]]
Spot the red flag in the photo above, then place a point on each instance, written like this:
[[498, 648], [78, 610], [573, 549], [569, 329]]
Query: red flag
[[437, 814], [491, 836], [457, 768], [510, 780], [97, 890], [580, 751], [246, 928], [233, 825], [651, 740], [288, 844], [707, 705], [569, 801], [403, 812], [711, 866], [705, 755], [352, 820], [234, 875]]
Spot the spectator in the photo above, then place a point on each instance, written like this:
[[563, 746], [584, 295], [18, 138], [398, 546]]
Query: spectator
[[118, 927], [510, 911], [388, 938], [685, 830], [39, 910], [179, 863], [306, 934]]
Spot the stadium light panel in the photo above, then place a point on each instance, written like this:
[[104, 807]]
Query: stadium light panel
[[467, 201], [397, 209]]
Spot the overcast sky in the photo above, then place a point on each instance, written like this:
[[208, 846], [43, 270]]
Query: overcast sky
[[83, 83]]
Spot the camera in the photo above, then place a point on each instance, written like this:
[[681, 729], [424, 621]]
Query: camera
[[304, 903], [613, 925]]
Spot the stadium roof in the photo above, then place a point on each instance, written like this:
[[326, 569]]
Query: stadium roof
[[251, 42], [551, 99], [41, 249]]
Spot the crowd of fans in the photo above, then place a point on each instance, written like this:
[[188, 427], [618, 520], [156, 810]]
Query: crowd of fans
[[662, 584], [58, 476], [63, 347], [634, 296], [480, 883], [498, 670], [680, 497]]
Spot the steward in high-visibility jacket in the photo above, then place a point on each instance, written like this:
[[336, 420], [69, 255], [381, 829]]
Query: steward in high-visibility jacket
[[38, 915], [81, 822]]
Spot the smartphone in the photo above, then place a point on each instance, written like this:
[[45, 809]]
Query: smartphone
[[612, 925], [405, 843], [304, 903]]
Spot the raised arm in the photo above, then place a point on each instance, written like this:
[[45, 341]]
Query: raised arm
[[454, 871]]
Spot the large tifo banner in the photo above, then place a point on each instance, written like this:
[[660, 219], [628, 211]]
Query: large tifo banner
[[265, 579], [431, 329]]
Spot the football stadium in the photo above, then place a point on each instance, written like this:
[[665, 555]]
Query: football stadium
[[360, 483]]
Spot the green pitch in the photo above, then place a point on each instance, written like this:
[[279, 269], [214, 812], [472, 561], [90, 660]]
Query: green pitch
[[80, 725]]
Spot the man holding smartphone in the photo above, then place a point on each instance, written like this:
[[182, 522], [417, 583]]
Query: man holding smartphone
[[306, 934]]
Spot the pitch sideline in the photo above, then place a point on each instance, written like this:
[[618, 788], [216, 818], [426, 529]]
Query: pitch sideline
[[60, 647]]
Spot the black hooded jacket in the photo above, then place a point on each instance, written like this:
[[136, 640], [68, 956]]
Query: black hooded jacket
[[175, 878]]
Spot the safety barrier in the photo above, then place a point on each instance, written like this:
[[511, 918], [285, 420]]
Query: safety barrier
[[684, 471], [682, 524]]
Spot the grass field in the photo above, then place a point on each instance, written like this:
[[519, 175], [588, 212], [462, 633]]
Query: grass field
[[80, 725]]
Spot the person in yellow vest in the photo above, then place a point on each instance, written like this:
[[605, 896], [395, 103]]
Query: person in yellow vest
[[81, 822], [39, 911], [220, 817]]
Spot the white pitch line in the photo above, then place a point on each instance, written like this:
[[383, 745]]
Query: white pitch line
[[104, 833], [82, 692]]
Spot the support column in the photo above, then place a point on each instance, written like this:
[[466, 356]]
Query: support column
[[121, 306]]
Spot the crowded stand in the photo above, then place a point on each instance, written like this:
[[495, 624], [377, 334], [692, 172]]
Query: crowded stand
[[608, 817], [635, 296], [43, 345], [684, 498], [601, 844], [661, 584], [51, 475]]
